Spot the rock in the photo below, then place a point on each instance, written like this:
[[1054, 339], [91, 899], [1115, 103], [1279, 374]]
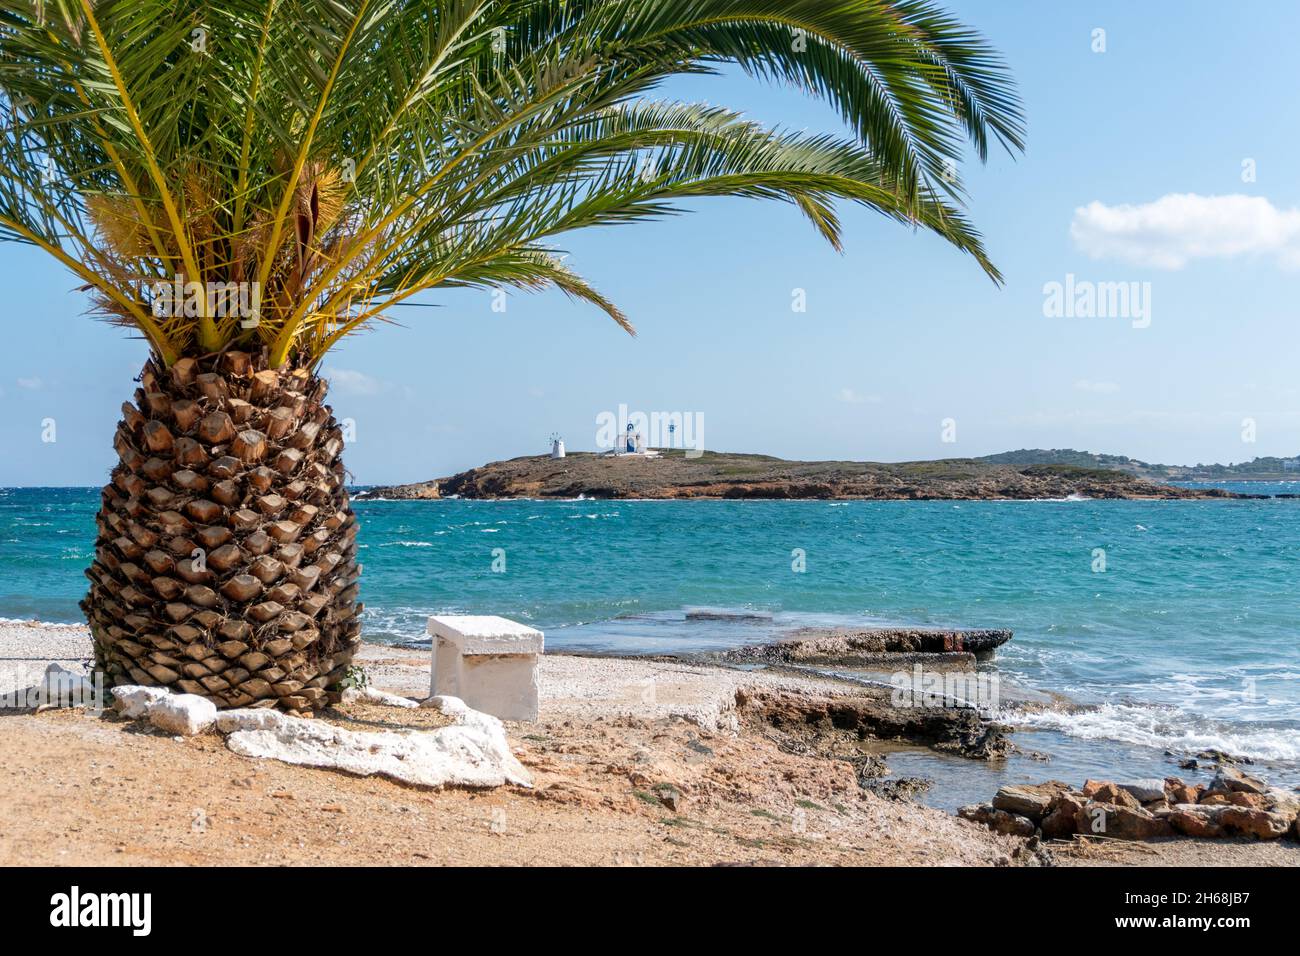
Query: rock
[[1196, 820], [1260, 824], [949, 729], [670, 797], [893, 788], [1145, 791], [372, 695], [1284, 801], [445, 704], [183, 714], [1061, 818], [1253, 801], [1230, 779], [1221, 757], [1141, 824], [1104, 791], [249, 718], [999, 821], [1029, 800], [1033, 853], [473, 752], [1218, 820], [1120, 822], [1178, 792], [838, 645], [134, 701]]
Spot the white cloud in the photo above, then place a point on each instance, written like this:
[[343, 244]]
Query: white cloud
[[1179, 227], [1101, 388], [351, 382], [849, 397], [31, 384]]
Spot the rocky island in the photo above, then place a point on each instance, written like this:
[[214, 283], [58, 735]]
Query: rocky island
[[672, 474]]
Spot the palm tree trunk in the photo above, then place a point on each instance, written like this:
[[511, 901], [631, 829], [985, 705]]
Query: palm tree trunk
[[225, 563]]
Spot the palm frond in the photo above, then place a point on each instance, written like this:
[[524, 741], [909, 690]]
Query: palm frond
[[345, 155]]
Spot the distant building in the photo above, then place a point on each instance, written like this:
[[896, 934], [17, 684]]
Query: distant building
[[1291, 464], [632, 444]]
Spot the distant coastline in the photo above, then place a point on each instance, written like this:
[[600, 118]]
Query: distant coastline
[[721, 475], [1270, 468]]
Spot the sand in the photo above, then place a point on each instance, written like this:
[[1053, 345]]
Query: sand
[[636, 762]]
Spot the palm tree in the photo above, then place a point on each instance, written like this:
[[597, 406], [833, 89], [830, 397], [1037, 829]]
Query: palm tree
[[247, 182]]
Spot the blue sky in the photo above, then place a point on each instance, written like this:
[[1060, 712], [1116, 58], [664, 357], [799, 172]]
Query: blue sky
[[900, 331]]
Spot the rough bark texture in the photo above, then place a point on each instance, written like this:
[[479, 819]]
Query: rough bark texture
[[225, 563]]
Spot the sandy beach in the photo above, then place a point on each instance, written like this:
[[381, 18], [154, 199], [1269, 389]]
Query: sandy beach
[[687, 774]]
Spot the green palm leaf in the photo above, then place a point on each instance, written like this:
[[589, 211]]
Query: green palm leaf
[[348, 154]]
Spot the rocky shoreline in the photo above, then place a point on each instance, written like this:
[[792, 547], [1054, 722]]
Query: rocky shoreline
[[1233, 804], [721, 475], [814, 646]]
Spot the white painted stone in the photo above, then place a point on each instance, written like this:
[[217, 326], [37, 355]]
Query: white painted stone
[[489, 662], [134, 700], [249, 718], [183, 714], [471, 753], [486, 634], [451, 706], [373, 695]]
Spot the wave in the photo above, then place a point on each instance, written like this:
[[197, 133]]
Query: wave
[[1161, 727]]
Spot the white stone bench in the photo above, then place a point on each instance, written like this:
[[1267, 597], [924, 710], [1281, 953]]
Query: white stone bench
[[488, 662]]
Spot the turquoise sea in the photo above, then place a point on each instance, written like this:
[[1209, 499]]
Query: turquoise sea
[[1187, 640]]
